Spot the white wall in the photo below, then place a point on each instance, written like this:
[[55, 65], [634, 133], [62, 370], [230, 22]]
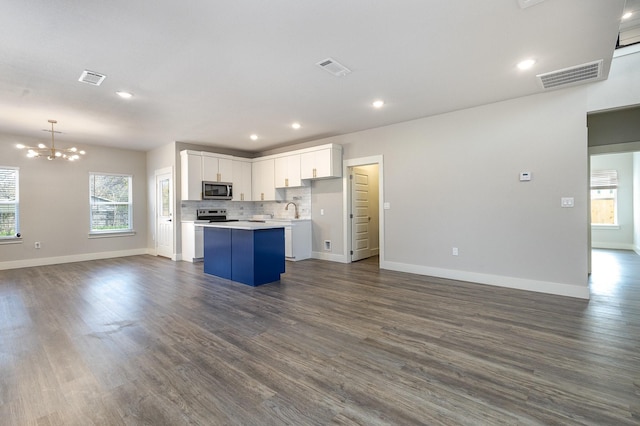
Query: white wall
[[622, 87], [54, 205], [620, 237], [452, 180]]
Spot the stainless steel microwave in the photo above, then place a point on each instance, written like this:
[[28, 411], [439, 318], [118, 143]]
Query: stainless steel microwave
[[217, 190]]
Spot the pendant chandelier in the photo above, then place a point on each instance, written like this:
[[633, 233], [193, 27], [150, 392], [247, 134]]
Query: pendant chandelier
[[52, 153]]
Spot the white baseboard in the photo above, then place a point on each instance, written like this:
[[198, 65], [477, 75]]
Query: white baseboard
[[42, 261], [612, 246], [636, 249], [329, 256], [559, 289]]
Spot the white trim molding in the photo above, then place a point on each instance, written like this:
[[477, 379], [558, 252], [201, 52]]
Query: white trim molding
[[42, 261], [612, 246], [558, 289], [333, 257]]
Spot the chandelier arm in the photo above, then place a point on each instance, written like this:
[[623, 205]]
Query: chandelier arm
[[42, 150]]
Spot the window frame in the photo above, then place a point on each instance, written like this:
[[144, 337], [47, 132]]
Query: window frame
[[97, 233], [16, 237], [605, 180]]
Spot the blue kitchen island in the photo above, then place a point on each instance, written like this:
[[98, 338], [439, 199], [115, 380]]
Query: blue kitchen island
[[247, 252]]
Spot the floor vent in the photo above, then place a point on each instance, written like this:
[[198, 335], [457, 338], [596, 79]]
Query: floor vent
[[571, 76], [333, 67], [91, 77]]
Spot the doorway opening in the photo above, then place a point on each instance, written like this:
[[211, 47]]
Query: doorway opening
[[363, 209], [614, 200]]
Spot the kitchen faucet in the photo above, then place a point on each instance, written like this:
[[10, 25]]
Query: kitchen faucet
[[296, 207]]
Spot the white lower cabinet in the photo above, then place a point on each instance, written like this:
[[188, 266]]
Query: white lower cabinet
[[297, 238], [192, 242]]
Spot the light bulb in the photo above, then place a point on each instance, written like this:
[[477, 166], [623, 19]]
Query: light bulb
[[526, 64]]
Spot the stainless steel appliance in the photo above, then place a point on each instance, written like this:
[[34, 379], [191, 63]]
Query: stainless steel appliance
[[217, 190], [213, 215]]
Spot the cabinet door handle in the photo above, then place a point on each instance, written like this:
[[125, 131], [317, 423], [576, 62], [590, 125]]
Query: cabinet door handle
[[314, 172], [262, 196], [218, 177], [286, 182]]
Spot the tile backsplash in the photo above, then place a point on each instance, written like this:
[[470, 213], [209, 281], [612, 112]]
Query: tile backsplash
[[244, 210]]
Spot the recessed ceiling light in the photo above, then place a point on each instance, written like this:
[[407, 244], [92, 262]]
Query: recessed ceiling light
[[378, 104], [254, 137], [124, 95], [627, 15], [296, 125], [526, 64]]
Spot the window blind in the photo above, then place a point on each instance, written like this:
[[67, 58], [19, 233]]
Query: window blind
[[604, 179], [8, 202]]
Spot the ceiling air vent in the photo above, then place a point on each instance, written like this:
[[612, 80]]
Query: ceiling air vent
[[571, 76], [91, 77], [332, 66]]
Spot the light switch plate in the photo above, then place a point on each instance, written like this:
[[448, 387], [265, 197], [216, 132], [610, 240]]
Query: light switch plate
[[386, 206], [525, 176], [566, 202]]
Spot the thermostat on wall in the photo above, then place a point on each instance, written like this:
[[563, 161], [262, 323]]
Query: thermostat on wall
[[525, 176]]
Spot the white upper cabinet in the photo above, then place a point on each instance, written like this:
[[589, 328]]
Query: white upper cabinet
[[322, 163], [287, 171], [258, 179], [263, 181], [191, 175], [241, 180], [216, 168]]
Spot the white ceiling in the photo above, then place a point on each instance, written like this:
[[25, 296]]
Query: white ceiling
[[630, 28], [214, 72]]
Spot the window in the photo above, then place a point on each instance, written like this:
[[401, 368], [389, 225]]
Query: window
[[9, 203], [110, 202], [604, 197]]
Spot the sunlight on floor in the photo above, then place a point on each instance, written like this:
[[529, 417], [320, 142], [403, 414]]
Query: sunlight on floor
[[605, 275]]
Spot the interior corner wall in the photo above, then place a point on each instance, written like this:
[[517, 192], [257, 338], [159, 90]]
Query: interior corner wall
[[453, 181], [622, 87], [54, 206]]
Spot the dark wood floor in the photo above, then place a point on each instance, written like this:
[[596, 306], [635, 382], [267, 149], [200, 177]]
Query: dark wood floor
[[143, 340]]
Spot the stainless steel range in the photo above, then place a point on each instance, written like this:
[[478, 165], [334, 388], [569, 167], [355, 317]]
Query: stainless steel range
[[213, 215]]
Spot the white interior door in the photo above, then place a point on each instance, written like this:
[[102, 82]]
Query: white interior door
[[164, 214], [360, 217]]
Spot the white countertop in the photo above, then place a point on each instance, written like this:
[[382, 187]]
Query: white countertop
[[245, 225], [287, 220]]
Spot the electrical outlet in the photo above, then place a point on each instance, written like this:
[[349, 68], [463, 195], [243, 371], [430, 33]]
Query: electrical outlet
[[37, 244], [454, 251]]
